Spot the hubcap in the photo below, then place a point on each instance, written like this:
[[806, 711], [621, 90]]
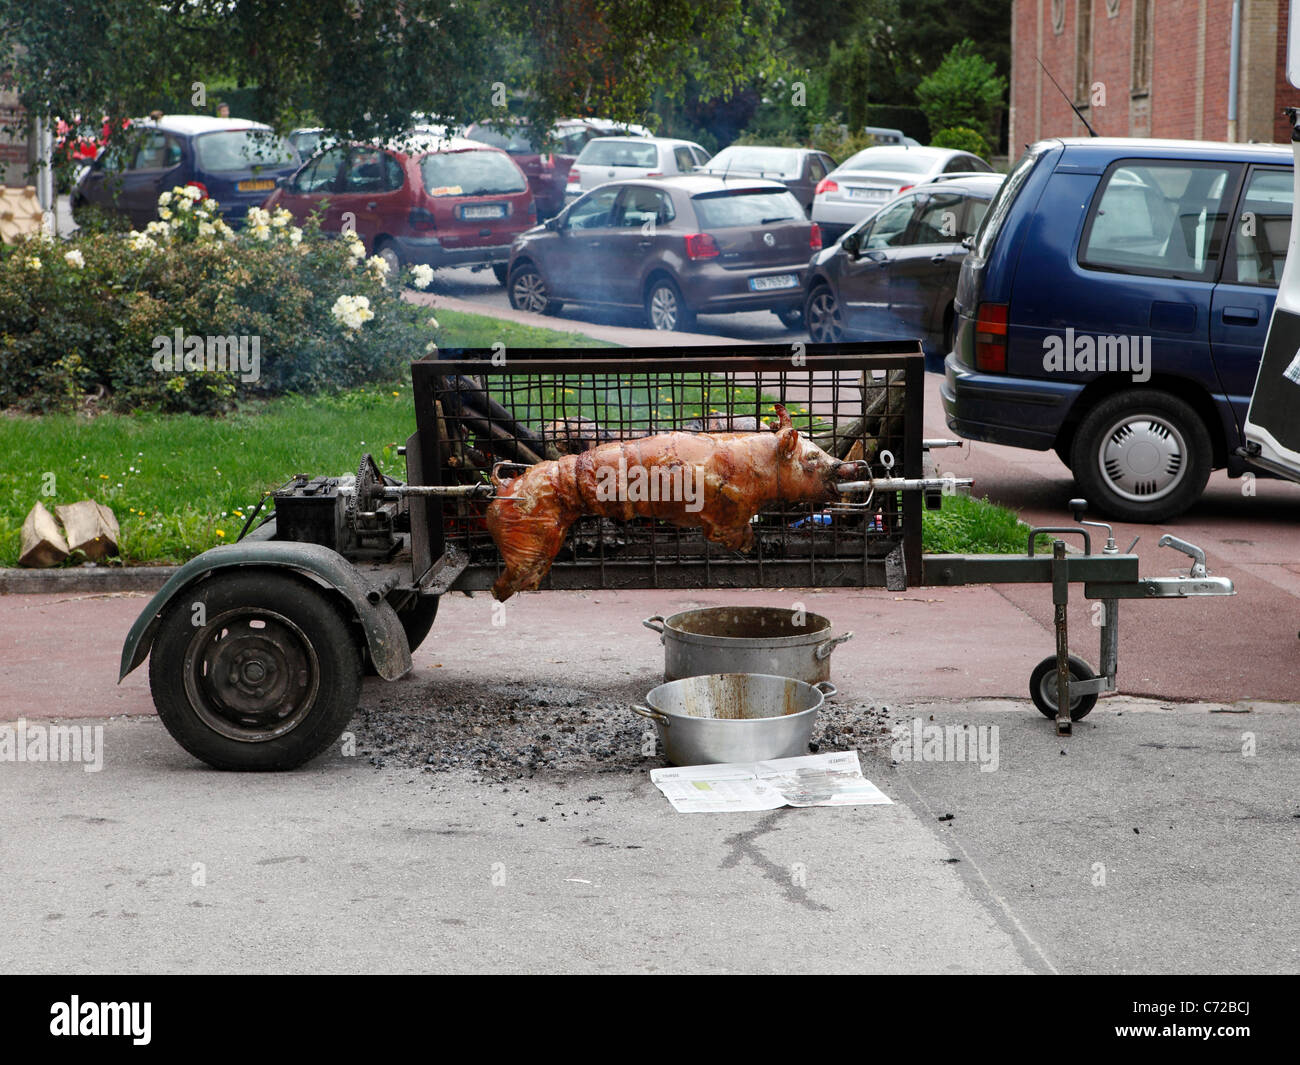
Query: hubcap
[[663, 308], [530, 292], [251, 674], [1047, 686], [824, 318], [391, 258], [1142, 457]]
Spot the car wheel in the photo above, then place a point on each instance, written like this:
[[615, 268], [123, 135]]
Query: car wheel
[[528, 291], [265, 676], [1142, 456], [387, 251], [822, 315], [502, 273], [665, 309], [791, 317]]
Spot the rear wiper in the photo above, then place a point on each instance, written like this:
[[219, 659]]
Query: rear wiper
[[769, 221]]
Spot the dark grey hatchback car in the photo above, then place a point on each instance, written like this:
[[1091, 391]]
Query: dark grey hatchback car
[[894, 275], [671, 247]]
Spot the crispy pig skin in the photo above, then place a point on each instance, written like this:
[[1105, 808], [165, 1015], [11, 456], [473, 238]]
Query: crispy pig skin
[[738, 474]]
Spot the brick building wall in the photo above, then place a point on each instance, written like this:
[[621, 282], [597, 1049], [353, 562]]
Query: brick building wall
[[1171, 81]]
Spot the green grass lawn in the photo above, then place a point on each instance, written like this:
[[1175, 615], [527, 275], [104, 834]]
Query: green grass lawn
[[180, 484]]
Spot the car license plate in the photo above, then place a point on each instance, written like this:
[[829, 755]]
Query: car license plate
[[260, 185], [866, 194], [764, 284], [483, 210]]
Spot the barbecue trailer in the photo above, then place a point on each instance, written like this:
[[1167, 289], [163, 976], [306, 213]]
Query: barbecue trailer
[[257, 648]]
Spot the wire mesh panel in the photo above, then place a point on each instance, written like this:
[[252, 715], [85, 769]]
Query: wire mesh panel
[[855, 401]]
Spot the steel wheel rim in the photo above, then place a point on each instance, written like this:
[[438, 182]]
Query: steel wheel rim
[[1142, 457], [1047, 688], [663, 308], [251, 674], [824, 318], [529, 291], [391, 258]]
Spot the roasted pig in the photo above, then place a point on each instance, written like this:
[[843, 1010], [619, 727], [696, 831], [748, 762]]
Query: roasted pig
[[717, 481]]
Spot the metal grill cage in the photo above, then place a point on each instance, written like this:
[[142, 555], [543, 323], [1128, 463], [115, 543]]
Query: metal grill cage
[[859, 401]]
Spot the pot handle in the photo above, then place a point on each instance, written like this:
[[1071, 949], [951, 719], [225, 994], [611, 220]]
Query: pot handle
[[653, 715], [826, 687], [824, 650], [649, 623]]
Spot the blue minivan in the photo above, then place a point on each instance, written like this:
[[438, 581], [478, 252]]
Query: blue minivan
[[1114, 306], [236, 162]]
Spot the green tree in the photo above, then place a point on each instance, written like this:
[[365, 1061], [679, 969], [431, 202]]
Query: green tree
[[965, 90]]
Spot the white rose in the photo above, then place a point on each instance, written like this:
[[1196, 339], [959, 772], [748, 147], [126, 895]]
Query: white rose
[[75, 259], [422, 276]]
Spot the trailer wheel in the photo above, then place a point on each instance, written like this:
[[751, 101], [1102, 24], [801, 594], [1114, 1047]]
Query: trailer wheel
[[264, 676], [1042, 688]]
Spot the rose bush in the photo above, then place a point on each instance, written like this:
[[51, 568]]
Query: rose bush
[[84, 317]]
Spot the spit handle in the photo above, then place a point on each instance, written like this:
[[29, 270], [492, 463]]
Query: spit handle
[[827, 688], [824, 650], [653, 715], [649, 623]]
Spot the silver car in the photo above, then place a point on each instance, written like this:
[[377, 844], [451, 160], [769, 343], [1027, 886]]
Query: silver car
[[865, 182], [624, 158]]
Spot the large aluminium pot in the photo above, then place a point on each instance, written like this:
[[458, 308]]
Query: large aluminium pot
[[734, 717], [746, 639]]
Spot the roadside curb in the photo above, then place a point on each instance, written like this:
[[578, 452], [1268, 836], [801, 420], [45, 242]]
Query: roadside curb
[[84, 579]]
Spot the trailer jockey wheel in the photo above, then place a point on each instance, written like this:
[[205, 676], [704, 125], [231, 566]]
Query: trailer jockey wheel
[[1042, 688], [254, 670]]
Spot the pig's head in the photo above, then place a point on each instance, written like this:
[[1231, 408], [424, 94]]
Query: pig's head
[[804, 472]]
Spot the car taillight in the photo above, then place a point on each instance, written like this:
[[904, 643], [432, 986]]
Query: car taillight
[[422, 218], [701, 246], [815, 238], [200, 186], [655, 173], [991, 338], [904, 188], [825, 185], [573, 176]]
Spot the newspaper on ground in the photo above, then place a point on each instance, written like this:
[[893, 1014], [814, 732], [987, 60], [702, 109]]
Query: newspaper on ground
[[810, 780]]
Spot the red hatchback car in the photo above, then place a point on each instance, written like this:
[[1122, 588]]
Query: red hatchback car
[[439, 202]]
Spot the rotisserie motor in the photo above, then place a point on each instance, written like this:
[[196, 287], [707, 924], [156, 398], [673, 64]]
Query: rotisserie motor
[[717, 481]]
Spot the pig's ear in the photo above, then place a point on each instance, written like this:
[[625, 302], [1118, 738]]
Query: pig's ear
[[783, 417], [787, 441]]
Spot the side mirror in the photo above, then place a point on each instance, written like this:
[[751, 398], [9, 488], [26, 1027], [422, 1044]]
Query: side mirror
[[852, 243]]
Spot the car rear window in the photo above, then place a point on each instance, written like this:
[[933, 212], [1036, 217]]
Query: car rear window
[[1158, 218], [242, 149], [471, 173], [746, 207], [620, 153], [1006, 195], [898, 161], [516, 141], [781, 162]]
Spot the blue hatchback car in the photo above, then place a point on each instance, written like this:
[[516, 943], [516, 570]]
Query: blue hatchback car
[[237, 163], [1114, 307]]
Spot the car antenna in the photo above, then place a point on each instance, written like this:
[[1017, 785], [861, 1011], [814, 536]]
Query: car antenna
[[1091, 132]]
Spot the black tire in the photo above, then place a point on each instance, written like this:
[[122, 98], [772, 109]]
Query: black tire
[[1142, 456], [821, 313], [1042, 688], [268, 625], [791, 317], [665, 309], [501, 271], [528, 291]]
